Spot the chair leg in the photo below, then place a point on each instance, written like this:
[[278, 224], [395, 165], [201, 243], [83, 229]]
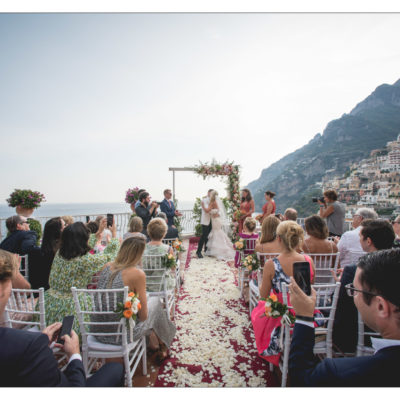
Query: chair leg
[[85, 360], [127, 370], [144, 356], [271, 367]]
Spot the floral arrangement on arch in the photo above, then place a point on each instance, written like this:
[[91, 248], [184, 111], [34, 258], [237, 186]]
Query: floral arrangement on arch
[[25, 198], [232, 171], [132, 195]]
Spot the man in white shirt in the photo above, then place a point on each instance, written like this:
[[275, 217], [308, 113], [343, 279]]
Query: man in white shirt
[[349, 244], [205, 222]]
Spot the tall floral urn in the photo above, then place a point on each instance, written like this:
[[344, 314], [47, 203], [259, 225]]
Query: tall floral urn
[[24, 212]]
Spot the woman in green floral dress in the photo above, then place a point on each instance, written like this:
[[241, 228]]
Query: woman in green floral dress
[[74, 266]]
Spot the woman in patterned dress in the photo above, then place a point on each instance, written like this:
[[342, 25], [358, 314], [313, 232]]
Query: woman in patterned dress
[[73, 265]]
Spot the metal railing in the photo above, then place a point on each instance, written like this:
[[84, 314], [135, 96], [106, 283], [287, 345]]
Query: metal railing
[[122, 220], [188, 223]]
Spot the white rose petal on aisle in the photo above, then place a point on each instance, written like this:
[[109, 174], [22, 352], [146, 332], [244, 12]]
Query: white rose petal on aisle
[[210, 325]]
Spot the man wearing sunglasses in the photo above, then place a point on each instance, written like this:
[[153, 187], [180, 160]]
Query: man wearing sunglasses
[[20, 240], [378, 301]]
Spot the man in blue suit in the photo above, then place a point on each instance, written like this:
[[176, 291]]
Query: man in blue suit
[[26, 358], [376, 294], [167, 206]]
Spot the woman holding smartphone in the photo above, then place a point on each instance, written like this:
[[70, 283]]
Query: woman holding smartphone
[[276, 272]]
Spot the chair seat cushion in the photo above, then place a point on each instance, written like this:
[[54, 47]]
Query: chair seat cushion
[[96, 345]]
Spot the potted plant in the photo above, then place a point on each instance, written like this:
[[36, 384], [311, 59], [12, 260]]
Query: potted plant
[[131, 197], [25, 201]]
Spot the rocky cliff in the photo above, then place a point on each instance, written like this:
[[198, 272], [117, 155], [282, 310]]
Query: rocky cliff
[[370, 125]]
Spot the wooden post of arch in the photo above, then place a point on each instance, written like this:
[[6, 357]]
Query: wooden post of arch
[[173, 177]]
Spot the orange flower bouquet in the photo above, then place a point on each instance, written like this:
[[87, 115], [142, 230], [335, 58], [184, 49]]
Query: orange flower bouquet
[[129, 309], [177, 245], [275, 309], [169, 261]]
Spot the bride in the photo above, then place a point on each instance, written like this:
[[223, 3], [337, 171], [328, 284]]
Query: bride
[[218, 244]]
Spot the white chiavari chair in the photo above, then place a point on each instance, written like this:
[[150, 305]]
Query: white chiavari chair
[[89, 305]]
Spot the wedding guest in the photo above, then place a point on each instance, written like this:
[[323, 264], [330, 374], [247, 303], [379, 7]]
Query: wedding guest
[[378, 302], [317, 237], [249, 227], [269, 207], [146, 210], [172, 232], [74, 265], [375, 235], [20, 240], [268, 242], [92, 226], [290, 214], [138, 201], [41, 258], [152, 319], [18, 281], [349, 243], [68, 220], [246, 207], [26, 359], [333, 211], [157, 230], [135, 228], [396, 228], [167, 206], [276, 272], [103, 234]]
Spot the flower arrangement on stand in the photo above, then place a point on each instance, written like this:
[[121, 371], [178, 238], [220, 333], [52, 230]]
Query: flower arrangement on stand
[[131, 197], [232, 171], [25, 198], [128, 311], [177, 245]]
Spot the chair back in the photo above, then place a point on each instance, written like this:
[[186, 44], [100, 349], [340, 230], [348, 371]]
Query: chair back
[[24, 267], [92, 303], [20, 310], [153, 267], [364, 338], [169, 241], [325, 266], [264, 257]]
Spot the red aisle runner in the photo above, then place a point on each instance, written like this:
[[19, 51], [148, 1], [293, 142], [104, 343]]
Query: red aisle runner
[[214, 345]]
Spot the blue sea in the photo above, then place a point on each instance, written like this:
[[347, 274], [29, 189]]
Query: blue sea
[[59, 209]]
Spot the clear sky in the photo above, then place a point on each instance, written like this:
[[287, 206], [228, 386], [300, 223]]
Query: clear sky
[[91, 104]]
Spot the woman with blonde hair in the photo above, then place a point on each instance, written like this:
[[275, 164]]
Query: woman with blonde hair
[[135, 228], [276, 272], [152, 318], [268, 242], [157, 229]]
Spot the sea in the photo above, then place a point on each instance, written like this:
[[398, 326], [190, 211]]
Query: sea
[[59, 209]]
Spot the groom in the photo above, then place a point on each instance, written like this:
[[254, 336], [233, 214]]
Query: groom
[[205, 224]]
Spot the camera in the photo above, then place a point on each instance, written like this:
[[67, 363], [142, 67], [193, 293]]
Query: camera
[[315, 199]]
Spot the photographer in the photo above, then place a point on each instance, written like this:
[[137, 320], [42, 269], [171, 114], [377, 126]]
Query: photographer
[[146, 210], [333, 211]]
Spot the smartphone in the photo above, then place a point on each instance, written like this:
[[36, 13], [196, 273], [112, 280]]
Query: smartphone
[[87, 218], [66, 328], [110, 220], [301, 274]]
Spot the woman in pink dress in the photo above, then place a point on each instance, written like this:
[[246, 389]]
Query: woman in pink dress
[[269, 207], [246, 207], [276, 272]]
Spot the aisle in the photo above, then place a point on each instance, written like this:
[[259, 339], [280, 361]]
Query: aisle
[[214, 345]]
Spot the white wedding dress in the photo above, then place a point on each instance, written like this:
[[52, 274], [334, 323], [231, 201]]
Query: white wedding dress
[[219, 244]]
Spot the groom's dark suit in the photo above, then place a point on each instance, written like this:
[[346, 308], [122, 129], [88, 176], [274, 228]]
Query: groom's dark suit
[[381, 369], [26, 360]]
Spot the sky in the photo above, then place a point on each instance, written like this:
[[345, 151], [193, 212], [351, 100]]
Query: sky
[[94, 104]]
